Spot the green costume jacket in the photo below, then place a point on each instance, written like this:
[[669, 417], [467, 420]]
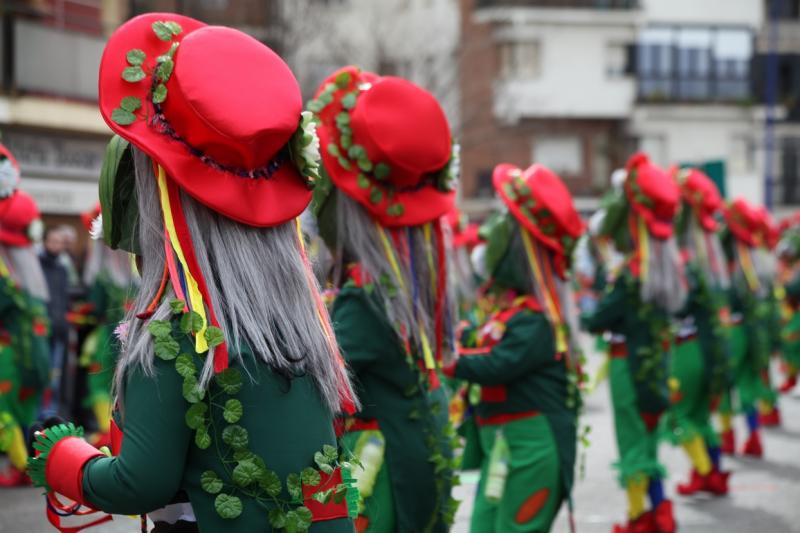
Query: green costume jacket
[[412, 416]]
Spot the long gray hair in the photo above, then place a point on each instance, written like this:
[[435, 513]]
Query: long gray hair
[[359, 238], [26, 270], [705, 249], [665, 284], [116, 265], [259, 287]]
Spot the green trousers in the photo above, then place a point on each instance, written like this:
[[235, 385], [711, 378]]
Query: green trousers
[[690, 414], [534, 486]]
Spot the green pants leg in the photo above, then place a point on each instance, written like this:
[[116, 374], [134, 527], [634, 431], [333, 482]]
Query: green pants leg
[[534, 487], [376, 510]]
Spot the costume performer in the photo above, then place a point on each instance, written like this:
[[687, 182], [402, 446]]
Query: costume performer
[[24, 352], [228, 378], [636, 310], [699, 367], [390, 174], [526, 362], [789, 253]]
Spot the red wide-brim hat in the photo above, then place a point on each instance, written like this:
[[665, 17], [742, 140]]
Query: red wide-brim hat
[[768, 231], [653, 194], [17, 213], [542, 204], [385, 142], [742, 220], [227, 111], [701, 193]]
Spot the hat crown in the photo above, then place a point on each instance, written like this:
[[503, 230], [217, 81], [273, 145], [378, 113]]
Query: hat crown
[[17, 212], [219, 108], [402, 125], [548, 189]]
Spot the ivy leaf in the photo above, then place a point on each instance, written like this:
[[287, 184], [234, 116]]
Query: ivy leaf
[[245, 473], [235, 436], [201, 438], [382, 171], [196, 415], [159, 94], [177, 306], [292, 521], [191, 391], [191, 322], [349, 101], [135, 57], [333, 150], [321, 460], [362, 181], [227, 506], [166, 348], [375, 195], [210, 482], [130, 103], [173, 26], [165, 68], [330, 452], [293, 485], [214, 336], [343, 80], [270, 482], [304, 517], [277, 518], [310, 477], [396, 210], [184, 365], [162, 30], [233, 411], [365, 164], [230, 380], [159, 328], [122, 117], [133, 74]]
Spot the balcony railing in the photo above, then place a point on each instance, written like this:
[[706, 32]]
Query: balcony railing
[[561, 4]]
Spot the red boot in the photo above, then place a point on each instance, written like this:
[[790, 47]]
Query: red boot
[[14, 478], [717, 482], [753, 446], [695, 484], [728, 442], [788, 385], [643, 524], [664, 519]]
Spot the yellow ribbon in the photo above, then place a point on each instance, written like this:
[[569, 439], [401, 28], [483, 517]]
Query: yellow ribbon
[[644, 249], [4, 272], [195, 297], [747, 266], [549, 303]]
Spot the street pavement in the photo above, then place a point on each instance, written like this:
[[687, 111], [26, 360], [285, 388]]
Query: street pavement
[[765, 494]]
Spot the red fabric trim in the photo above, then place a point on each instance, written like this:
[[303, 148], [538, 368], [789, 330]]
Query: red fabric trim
[[505, 418], [532, 505], [358, 424], [184, 237], [485, 350], [64, 467], [325, 511], [681, 340], [498, 393], [116, 438], [55, 521], [650, 420], [618, 350]]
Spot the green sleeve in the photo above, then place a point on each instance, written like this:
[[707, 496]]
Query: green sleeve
[[528, 343], [610, 309], [148, 470], [98, 297], [361, 332]]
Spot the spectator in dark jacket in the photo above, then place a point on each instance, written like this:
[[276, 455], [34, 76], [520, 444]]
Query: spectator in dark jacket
[[58, 283]]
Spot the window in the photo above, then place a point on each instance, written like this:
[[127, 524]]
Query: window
[[789, 10], [616, 59], [743, 154], [519, 60], [561, 154], [484, 187], [694, 64]]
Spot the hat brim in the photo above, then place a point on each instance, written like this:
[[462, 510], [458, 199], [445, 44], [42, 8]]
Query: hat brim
[[421, 205], [13, 239], [246, 200]]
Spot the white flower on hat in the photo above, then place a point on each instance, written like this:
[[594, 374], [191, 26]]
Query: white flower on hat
[[304, 148], [36, 230], [96, 232], [9, 178]]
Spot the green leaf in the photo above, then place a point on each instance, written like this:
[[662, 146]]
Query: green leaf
[[191, 322], [196, 415], [270, 482], [293, 485], [356, 151], [214, 336], [321, 460], [166, 348], [375, 195], [382, 171], [133, 74], [349, 101], [346, 141], [227, 506], [396, 210], [277, 518], [333, 150], [177, 306], [159, 328], [235, 436], [245, 473], [122, 117], [230, 380], [344, 163], [315, 106], [362, 181], [365, 164], [201, 438], [174, 27], [130, 103], [310, 477], [304, 517], [343, 79], [165, 68], [184, 365], [160, 93], [191, 391], [162, 30], [233, 411], [210, 482], [330, 452], [135, 57]]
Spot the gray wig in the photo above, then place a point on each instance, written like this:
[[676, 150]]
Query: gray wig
[[358, 238], [665, 284], [116, 265], [705, 249], [259, 287], [26, 270]]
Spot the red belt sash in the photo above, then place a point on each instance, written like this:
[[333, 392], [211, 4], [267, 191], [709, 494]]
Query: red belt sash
[[505, 418]]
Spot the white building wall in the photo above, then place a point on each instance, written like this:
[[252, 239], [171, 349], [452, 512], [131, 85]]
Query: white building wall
[[718, 12]]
